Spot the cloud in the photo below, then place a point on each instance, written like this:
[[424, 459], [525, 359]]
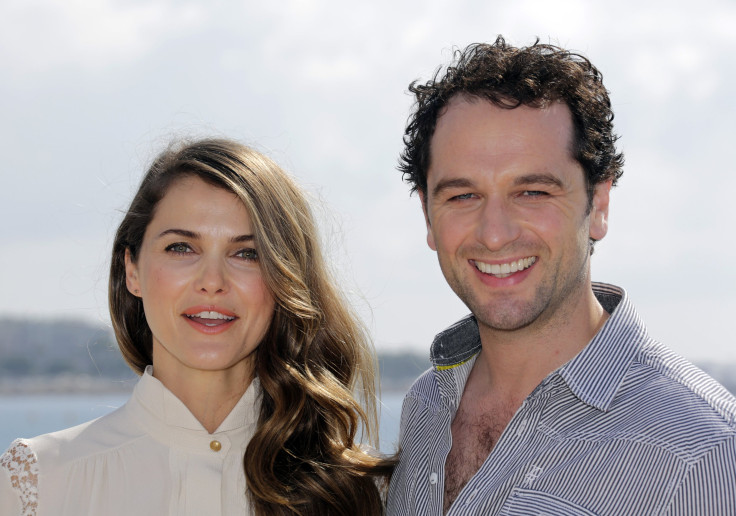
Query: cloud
[[48, 35]]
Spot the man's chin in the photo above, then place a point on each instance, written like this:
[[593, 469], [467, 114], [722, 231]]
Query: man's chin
[[506, 324], [505, 315]]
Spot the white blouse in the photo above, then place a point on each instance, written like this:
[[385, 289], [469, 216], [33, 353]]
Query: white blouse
[[150, 456]]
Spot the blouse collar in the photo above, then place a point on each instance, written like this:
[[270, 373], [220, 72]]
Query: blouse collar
[[167, 418]]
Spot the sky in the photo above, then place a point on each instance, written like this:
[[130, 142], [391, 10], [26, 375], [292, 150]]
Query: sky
[[91, 91]]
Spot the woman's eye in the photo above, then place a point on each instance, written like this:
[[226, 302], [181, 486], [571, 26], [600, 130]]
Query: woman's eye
[[247, 254], [179, 248]]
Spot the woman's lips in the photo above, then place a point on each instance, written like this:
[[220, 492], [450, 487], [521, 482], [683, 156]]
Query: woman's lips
[[209, 320]]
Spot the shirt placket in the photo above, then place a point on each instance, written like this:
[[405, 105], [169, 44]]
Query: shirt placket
[[435, 482], [498, 471]]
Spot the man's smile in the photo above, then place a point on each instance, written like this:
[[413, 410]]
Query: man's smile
[[504, 270]]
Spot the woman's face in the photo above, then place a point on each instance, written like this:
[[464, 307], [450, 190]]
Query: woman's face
[[200, 280]]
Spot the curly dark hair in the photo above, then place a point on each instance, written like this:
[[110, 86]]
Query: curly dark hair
[[509, 77]]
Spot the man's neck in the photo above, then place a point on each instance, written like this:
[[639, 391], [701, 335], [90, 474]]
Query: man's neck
[[513, 363]]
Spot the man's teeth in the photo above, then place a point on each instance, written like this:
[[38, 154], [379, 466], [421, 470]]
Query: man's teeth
[[504, 270], [211, 315]]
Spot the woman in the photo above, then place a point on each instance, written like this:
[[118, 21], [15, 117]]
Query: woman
[[248, 358]]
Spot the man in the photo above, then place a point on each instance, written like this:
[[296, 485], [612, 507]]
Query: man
[[550, 398]]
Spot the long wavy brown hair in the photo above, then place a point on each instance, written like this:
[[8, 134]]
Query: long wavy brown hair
[[315, 364]]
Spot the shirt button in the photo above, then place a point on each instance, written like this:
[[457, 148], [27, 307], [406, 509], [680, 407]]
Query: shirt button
[[216, 446], [433, 478]]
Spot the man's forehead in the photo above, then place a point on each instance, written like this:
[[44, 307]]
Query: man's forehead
[[463, 105], [479, 125]]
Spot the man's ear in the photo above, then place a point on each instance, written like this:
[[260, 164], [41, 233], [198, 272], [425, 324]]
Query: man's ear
[[599, 210], [425, 210], [131, 275]]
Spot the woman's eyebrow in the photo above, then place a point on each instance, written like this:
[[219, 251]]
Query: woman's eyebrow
[[196, 236], [181, 232]]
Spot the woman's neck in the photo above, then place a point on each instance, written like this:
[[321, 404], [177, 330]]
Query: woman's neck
[[209, 395]]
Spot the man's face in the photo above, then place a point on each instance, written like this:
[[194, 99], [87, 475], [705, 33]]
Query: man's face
[[506, 209]]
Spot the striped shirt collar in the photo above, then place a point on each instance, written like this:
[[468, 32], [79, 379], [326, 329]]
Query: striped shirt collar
[[612, 350]]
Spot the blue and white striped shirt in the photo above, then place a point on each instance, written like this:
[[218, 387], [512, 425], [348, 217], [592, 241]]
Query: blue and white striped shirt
[[626, 427]]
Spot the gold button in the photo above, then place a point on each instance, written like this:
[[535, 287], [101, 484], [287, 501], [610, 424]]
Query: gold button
[[216, 446]]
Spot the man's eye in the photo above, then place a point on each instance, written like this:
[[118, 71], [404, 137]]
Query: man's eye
[[534, 193], [248, 254], [462, 197], [179, 248]]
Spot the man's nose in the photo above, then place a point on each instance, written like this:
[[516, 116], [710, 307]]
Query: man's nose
[[498, 224]]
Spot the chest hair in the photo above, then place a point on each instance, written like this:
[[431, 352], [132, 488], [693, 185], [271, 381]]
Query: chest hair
[[475, 431]]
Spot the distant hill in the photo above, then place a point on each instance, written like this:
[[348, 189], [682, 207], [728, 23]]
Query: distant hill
[[52, 347], [44, 356]]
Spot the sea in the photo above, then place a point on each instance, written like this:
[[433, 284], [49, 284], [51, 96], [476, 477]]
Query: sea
[[32, 415]]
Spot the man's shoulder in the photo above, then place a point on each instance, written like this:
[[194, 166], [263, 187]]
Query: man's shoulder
[[451, 350], [670, 376], [670, 403], [424, 389]]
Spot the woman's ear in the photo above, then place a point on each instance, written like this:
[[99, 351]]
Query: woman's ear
[[131, 275]]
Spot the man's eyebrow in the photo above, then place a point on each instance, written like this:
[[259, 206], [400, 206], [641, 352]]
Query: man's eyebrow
[[446, 184], [538, 179], [196, 236]]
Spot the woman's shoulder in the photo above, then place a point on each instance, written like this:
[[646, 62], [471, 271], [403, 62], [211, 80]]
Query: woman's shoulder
[[54, 455], [71, 444]]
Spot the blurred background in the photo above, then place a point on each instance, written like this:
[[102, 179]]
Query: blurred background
[[91, 91]]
